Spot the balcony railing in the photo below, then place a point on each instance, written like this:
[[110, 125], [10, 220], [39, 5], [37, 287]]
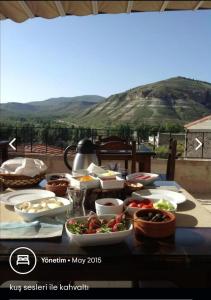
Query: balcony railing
[[55, 140]]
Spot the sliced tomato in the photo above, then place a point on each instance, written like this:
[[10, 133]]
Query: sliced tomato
[[133, 204], [111, 223], [146, 201], [120, 218], [147, 206]]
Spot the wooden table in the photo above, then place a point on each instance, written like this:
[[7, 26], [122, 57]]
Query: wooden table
[[143, 157], [184, 258]]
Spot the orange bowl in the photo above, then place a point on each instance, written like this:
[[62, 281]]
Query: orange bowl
[[154, 229], [59, 187]]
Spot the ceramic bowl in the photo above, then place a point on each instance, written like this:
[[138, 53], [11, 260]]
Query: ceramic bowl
[[131, 186], [154, 229], [95, 239], [132, 210], [59, 187], [29, 216], [108, 206]]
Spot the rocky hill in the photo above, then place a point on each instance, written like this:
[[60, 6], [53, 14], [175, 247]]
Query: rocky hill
[[176, 100]]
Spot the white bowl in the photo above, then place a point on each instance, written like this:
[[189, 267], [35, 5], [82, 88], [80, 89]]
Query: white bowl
[[102, 209], [75, 182], [132, 210], [49, 212], [95, 239], [116, 183], [134, 178], [173, 210]]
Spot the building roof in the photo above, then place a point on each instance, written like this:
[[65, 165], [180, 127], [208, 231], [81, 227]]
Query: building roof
[[20, 11], [203, 124]]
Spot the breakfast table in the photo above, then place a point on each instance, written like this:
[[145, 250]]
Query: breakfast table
[[184, 258]]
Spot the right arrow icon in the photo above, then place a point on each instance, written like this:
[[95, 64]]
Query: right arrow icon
[[199, 144]]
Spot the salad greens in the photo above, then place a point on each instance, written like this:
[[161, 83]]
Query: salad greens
[[164, 205]]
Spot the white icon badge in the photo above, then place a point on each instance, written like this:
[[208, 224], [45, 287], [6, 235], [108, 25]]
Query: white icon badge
[[22, 260]]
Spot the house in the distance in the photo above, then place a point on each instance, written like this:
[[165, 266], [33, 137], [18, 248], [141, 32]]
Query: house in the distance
[[198, 138]]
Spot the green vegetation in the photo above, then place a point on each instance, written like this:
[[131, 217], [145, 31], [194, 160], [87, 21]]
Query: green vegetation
[[162, 151], [176, 100], [54, 109], [161, 106]]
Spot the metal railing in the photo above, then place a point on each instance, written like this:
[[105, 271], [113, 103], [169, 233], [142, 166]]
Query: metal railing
[[56, 139]]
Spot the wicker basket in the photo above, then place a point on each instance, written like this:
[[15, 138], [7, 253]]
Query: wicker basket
[[20, 181]]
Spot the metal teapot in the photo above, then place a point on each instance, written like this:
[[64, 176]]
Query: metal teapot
[[85, 155]]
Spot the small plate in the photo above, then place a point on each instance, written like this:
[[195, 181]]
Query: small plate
[[159, 194], [143, 178], [16, 197]]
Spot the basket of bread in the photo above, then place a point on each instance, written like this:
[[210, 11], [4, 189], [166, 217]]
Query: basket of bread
[[22, 172]]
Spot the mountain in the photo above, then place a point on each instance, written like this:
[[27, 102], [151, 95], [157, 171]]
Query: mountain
[[175, 100], [63, 107]]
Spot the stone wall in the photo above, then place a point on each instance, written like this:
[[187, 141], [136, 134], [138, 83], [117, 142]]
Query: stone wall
[[193, 175]]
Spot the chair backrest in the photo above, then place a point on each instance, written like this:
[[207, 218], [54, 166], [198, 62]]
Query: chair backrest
[[120, 151], [112, 138], [170, 171]]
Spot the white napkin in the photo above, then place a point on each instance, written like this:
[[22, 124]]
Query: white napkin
[[92, 168], [29, 230], [23, 166]]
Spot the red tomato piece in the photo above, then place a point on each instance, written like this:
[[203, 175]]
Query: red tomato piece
[[133, 204], [111, 223], [147, 206], [146, 201]]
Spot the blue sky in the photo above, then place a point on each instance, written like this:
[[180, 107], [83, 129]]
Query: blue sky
[[103, 54]]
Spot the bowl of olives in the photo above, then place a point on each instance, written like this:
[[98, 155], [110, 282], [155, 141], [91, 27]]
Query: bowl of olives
[[154, 223]]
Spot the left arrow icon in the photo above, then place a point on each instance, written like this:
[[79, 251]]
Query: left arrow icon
[[11, 144]]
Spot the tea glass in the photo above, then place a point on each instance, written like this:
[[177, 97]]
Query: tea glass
[[77, 197]]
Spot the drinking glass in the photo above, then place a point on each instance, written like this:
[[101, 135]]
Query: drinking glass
[[123, 172], [77, 196]]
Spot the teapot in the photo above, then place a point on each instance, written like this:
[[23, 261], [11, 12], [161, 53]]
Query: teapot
[[85, 155]]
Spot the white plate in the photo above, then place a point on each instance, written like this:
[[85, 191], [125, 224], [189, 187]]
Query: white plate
[[159, 194], [20, 196], [49, 212], [96, 239], [151, 179]]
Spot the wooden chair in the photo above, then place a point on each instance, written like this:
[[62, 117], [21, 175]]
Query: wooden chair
[[118, 150], [170, 169], [112, 138]]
